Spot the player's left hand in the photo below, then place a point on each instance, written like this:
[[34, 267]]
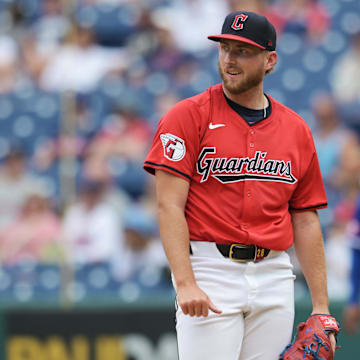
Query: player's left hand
[[315, 339]]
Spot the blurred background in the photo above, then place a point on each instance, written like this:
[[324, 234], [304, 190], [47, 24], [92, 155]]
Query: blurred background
[[83, 84]]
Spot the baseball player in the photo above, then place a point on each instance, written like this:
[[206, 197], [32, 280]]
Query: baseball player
[[238, 182]]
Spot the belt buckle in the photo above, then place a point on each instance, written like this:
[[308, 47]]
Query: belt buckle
[[240, 260]]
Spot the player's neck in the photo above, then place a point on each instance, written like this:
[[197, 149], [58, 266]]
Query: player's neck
[[251, 99]]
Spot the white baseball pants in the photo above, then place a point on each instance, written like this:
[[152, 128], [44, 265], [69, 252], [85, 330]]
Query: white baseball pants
[[257, 303]]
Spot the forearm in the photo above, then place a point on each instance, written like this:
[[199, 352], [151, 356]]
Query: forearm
[[309, 249], [172, 193], [175, 238]]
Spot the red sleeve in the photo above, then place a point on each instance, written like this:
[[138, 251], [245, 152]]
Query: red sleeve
[[310, 192], [175, 146]]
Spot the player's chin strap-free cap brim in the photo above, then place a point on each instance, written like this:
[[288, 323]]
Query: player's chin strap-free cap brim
[[235, 37]]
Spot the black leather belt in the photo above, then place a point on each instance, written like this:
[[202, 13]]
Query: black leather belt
[[243, 253]]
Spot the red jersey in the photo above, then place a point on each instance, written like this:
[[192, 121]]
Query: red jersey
[[243, 179]]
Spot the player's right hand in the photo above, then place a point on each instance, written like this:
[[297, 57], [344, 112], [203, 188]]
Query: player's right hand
[[194, 302]]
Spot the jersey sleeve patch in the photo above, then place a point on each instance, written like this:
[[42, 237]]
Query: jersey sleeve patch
[[174, 147]]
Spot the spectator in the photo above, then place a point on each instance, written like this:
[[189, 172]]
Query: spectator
[[120, 147], [143, 40], [125, 134], [80, 64], [345, 82], [8, 63], [307, 18], [45, 36], [143, 248], [92, 228], [166, 55], [186, 12], [69, 144], [338, 152], [351, 314], [183, 78], [53, 26], [338, 253], [163, 104], [33, 235], [16, 183], [12, 29], [338, 260], [258, 6], [98, 171], [346, 74]]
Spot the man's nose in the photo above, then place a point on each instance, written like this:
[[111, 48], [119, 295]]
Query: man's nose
[[230, 57]]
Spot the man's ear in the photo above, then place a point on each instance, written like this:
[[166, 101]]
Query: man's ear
[[271, 60]]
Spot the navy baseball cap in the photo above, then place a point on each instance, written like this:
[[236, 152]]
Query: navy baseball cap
[[248, 27]]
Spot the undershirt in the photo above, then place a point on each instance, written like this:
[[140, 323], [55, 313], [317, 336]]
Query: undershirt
[[251, 116]]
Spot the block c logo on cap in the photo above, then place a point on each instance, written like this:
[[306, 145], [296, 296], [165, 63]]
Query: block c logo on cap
[[238, 21]]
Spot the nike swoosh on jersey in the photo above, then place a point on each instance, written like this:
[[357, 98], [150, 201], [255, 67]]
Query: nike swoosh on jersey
[[215, 126]]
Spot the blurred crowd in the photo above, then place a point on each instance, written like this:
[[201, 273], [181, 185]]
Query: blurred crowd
[[115, 67]]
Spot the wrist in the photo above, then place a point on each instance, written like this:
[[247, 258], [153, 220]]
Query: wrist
[[322, 308], [185, 282], [320, 311]]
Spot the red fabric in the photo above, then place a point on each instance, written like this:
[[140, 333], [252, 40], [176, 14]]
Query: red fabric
[[234, 37], [273, 163]]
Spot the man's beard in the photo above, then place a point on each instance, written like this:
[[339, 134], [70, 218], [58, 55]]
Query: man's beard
[[245, 84]]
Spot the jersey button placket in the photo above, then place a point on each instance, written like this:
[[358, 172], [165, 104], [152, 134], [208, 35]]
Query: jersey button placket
[[247, 184], [252, 142], [247, 190]]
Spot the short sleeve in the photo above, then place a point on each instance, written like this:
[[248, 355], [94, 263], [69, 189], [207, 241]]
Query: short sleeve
[[310, 192], [175, 146]]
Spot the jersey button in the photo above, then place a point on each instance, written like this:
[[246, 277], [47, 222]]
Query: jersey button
[[252, 145], [252, 132], [248, 193]]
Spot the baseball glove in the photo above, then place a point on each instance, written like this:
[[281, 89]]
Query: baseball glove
[[312, 341]]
